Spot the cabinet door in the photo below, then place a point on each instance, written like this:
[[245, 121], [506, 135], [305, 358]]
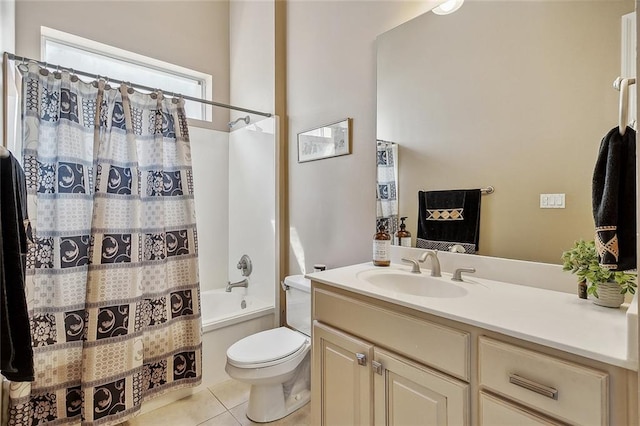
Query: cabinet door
[[407, 393], [341, 378], [498, 412]]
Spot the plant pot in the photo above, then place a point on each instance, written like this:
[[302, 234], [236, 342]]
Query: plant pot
[[609, 295]]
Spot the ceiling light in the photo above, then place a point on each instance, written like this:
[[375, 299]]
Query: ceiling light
[[447, 7]]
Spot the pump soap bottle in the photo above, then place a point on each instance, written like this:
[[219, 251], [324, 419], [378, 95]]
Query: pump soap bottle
[[403, 237], [382, 247]]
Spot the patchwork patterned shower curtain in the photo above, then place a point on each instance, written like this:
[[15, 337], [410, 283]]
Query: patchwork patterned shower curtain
[[112, 270], [387, 186]]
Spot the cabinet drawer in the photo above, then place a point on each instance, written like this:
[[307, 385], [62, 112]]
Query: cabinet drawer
[[496, 412], [568, 391], [443, 348]]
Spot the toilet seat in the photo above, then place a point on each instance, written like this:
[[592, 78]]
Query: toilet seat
[[267, 348]]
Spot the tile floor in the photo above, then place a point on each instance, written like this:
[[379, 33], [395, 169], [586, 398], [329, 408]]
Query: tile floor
[[224, 404]]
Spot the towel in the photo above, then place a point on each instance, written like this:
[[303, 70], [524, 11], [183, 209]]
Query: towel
[[446, 218], [614, 200], [16, 354]]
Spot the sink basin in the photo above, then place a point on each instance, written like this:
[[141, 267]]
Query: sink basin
[[415, 284]]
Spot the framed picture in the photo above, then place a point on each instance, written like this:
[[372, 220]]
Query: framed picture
[[327, 141]]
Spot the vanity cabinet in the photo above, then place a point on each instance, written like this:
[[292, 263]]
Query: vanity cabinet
[[408, 393], [344, 384], [360, 384], [497, 411], [378, 363], [567, 391], [358, 380]]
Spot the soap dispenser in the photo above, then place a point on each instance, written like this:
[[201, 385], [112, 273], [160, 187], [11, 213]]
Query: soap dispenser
[[403, 237], [382, 247]]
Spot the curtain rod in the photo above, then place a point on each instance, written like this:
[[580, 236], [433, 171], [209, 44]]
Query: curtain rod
[[14, 57]]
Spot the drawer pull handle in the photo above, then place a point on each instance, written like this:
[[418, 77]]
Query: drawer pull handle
[[547, 391], [361, 358]]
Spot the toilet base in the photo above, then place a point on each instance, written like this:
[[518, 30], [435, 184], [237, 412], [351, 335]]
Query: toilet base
[[267, 403]]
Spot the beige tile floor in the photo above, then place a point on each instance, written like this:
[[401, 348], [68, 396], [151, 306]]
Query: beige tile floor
[[224, 404]]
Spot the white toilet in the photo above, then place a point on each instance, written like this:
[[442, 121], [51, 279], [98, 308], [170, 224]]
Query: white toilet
[[276, 363]]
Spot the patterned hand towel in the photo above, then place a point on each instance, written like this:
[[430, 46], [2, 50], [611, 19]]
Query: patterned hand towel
[[614, 200], [446, 218]]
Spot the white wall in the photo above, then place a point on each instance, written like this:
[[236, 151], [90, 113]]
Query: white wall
[[210, 160], [331, 76], [252, 205]]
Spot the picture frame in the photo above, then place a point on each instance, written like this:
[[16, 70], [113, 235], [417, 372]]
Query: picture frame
[[331, 140]]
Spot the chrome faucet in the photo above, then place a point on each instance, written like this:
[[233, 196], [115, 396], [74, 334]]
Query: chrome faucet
[[244, 283], [435, 263], [457, 274]]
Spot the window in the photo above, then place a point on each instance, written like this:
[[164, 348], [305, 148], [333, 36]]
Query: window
[[92, 57]]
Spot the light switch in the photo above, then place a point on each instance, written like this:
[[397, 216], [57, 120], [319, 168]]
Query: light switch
[[552, 201]]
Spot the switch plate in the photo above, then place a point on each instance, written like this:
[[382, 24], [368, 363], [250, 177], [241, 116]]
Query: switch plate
[[552, 201]]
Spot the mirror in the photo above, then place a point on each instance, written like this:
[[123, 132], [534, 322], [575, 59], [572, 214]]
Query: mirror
[[516, 95]]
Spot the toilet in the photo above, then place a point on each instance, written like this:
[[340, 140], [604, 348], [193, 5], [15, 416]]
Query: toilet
[[276, 363]]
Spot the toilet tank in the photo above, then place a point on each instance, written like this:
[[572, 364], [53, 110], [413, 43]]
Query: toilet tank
[[299, 303]]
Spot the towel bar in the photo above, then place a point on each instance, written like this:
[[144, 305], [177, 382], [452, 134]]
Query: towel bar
[[622, 84]]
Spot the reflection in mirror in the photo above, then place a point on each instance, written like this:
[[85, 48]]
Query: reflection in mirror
[[386, 186], [514, 94]]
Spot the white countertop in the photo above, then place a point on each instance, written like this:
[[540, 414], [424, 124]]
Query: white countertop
[[546, 317]]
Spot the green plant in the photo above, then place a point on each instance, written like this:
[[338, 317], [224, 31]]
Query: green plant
[[582, 260]]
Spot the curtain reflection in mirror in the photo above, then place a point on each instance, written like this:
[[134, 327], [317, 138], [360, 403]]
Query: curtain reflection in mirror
[[387, 186]]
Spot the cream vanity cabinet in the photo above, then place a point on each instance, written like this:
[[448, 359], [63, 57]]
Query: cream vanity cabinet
[[378, 363], [360, 381]]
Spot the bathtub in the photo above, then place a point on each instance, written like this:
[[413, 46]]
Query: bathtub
[[222, 309], [224, 322]]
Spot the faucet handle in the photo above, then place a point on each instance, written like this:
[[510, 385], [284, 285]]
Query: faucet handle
[[415, 266], [457, 274]]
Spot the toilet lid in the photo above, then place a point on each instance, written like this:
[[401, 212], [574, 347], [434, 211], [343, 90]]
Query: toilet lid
[[265, 346]]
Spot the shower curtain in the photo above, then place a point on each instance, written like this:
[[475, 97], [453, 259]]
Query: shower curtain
[[112, 268], [387, 186]]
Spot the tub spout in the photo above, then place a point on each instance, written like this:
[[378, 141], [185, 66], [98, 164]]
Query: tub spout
[[244, 283]]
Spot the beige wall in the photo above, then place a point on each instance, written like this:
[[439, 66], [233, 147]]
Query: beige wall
[[252, 55], [192, 34], [331, 76], [515, 95]]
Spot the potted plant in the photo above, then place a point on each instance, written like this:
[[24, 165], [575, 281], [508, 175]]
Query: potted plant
[[608, 287]]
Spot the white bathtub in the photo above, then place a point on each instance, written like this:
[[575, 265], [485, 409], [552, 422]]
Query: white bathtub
[[222, 309]]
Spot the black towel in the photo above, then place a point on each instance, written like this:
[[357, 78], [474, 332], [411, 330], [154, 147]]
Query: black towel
[[446, 218], [614, 200], [16, 351]]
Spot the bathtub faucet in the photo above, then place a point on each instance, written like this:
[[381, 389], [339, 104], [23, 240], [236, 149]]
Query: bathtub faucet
[[244, 283]]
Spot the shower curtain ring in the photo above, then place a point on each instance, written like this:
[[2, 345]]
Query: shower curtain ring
[[24, 65]]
